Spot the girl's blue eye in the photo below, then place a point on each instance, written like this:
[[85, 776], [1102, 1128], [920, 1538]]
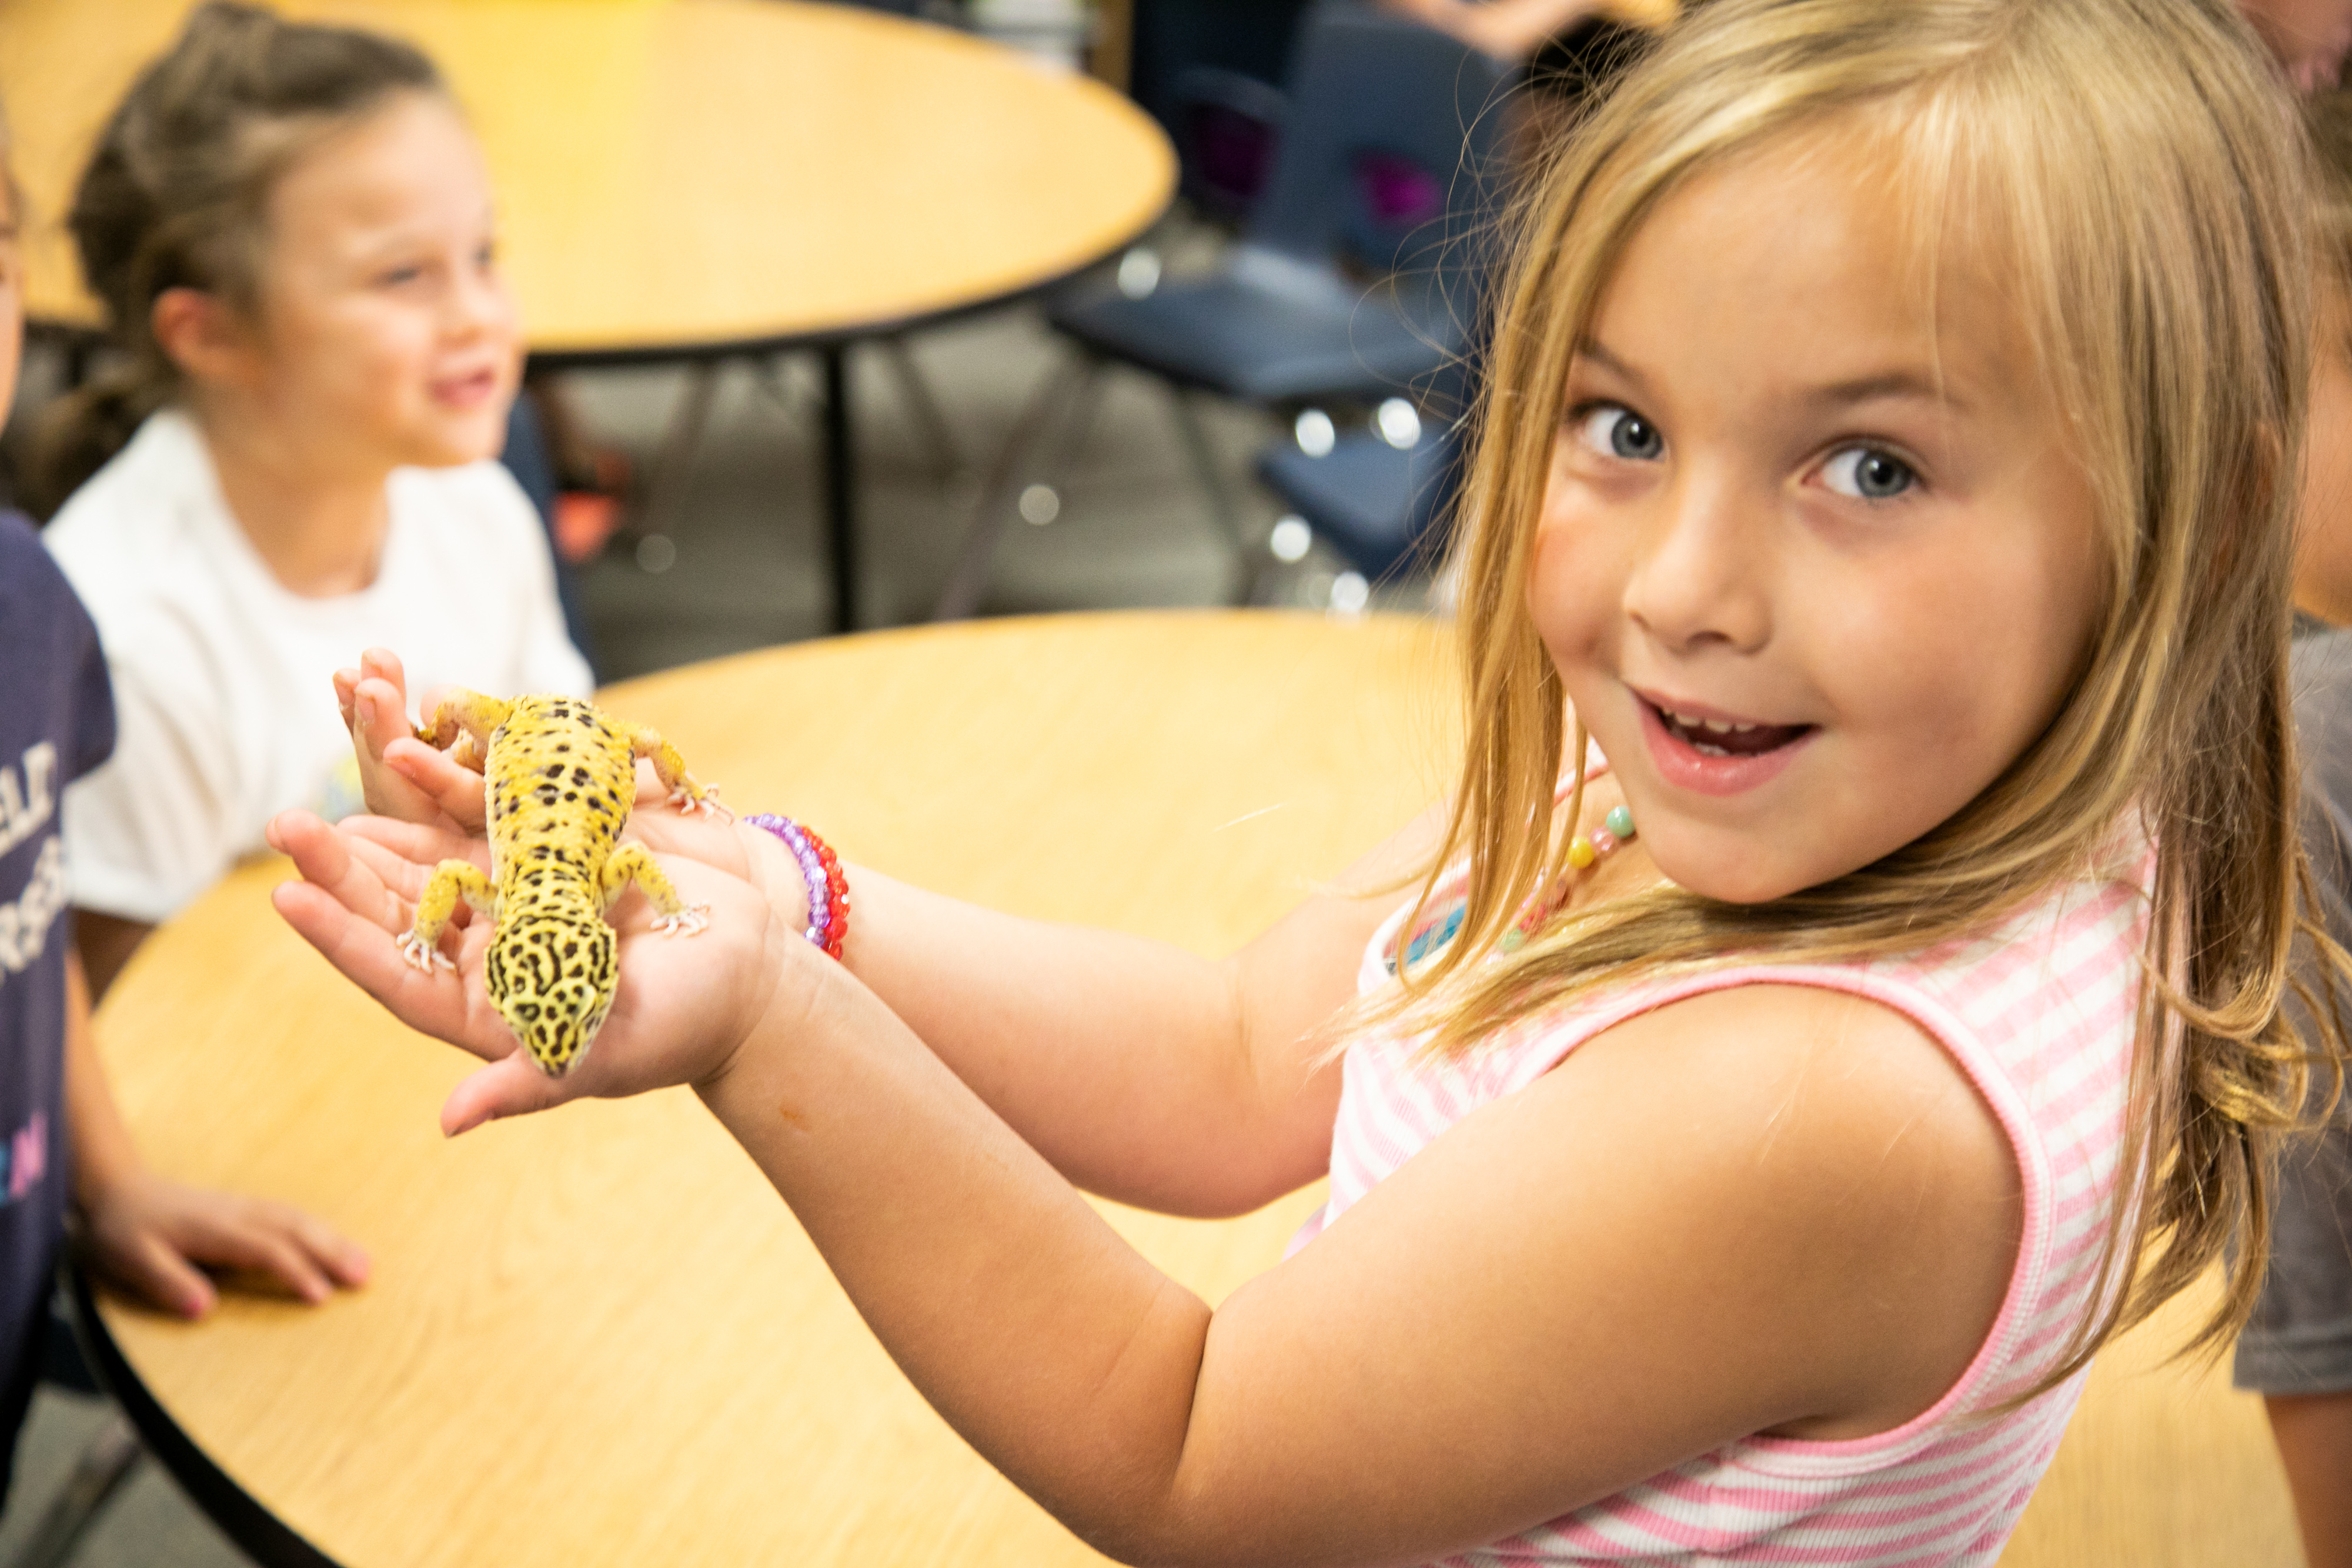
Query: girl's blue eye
[[1611, 430], [1867, 473]]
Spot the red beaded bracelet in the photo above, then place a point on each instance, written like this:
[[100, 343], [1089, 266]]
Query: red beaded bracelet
[[828, 886]]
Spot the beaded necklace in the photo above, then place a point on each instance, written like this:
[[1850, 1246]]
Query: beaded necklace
[[1584, 852]]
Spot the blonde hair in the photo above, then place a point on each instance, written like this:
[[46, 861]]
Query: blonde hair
[[177, 190], [2328, 116], [2150, 190]]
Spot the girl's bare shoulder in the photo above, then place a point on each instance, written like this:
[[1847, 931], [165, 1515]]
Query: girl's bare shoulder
[[1846, 1138]]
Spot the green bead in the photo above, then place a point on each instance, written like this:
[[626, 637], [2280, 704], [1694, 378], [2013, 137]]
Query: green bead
[[1620, 822]]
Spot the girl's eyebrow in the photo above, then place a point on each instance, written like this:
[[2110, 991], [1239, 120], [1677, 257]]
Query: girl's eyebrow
[[1891, 385], [1896, 384], [1590, 348]]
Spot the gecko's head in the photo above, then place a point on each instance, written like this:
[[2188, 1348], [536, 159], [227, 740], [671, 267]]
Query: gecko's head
[[552, 976]]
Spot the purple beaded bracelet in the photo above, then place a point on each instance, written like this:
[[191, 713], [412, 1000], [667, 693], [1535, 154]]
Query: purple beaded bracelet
[[823, 893]]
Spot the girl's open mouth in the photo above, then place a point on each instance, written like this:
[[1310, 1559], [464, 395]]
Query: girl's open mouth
[[1717, 756], [1723, 737]]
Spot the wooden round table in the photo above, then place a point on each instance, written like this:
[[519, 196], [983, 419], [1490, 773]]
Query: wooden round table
[[597, 1336], [688, 179]]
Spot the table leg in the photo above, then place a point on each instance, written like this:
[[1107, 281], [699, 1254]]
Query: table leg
[[840, 486]]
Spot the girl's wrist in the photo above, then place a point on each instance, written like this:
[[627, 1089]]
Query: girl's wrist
[[810, 867], [789, 1021]]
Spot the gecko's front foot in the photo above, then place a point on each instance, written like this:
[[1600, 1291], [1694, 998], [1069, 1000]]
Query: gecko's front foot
[[707, 802], [690, 921], [419, 953]]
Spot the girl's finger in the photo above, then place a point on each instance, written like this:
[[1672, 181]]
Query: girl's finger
[[253, 1240], [509, 1087], [436, 777], [413, 841], [436, 1003], [345, 1260], [384, 665], [325, 862], [403, 879], [155, 1269]]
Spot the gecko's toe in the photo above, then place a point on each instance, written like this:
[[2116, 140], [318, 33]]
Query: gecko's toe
[[703, 798], [691, 921]]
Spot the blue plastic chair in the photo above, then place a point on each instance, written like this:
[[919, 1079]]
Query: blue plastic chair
[[1385, 508], [1384, 163], [1383, 504], [1283, 319], [1379, 505], [1211, 72]]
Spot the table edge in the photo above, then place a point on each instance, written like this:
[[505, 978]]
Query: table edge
[[257, 1531], [594, 356]]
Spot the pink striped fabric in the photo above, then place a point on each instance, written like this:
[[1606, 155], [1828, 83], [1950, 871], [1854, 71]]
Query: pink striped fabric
[[2040, 1013]]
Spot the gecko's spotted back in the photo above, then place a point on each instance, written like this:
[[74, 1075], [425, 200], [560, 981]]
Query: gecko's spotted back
[[558, 782], [559, 775]]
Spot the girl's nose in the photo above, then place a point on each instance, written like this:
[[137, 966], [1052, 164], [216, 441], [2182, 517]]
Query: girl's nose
[[1701, 577], [477, 304]]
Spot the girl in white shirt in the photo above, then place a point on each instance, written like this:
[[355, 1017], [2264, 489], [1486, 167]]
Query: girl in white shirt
[[291, 229]]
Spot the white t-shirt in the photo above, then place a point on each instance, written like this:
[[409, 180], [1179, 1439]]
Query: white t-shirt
[[222, 679]]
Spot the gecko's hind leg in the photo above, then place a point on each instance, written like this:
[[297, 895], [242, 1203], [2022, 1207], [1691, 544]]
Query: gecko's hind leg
[[467, 719], [452, 880], [686, 792], [675, 916]]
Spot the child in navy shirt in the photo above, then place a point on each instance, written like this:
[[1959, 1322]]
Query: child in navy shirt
[[62, 1143]]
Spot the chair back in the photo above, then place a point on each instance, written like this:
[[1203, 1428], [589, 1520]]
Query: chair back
[[1392, 145], [1211, 72]]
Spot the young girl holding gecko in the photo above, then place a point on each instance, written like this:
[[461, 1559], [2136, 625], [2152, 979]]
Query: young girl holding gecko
[[1742, 1139]]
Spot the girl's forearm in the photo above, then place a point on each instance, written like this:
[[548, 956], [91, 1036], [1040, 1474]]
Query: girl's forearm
[[1134, 1067], [1061, 1355]]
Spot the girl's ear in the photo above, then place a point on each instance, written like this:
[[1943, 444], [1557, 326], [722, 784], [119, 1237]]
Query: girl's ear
[[199, 333]]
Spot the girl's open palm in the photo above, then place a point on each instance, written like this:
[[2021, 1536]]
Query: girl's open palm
[[681, 1007]]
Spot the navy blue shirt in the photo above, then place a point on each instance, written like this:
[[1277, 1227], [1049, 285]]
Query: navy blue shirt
[[56, 723]]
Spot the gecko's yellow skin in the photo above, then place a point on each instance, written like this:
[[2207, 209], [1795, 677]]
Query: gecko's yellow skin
[[559, 776]]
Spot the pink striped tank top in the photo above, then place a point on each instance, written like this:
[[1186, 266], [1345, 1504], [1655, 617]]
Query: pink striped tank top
[[2040, 1012]]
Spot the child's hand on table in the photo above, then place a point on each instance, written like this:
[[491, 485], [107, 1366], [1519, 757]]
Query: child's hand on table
[[157, 1237], [681, 1009]]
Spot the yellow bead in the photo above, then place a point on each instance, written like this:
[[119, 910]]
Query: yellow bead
[[1579, 851]]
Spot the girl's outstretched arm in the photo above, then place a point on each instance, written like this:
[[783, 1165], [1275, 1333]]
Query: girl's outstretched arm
[[1144, 1072], [1760, 1209]]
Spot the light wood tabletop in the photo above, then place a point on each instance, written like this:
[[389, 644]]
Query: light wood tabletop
[[684, 174], [596, 1336]]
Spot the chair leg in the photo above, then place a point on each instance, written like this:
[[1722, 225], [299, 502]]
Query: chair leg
[[923, 406], [1204, 465], [773, 371], [673, 469], [106, 1464], [1063, 391]]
